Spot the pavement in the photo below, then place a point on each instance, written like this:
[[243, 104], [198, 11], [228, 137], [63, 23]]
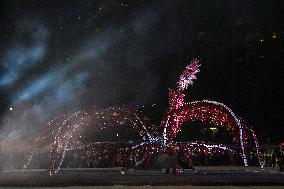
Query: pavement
[[231, 177], [156, 187]]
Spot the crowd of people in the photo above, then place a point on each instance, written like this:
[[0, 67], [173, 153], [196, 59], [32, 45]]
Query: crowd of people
[[105, 156], [272, 158], [146, 158]]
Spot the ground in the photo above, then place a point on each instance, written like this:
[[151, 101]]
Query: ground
[[164, 187], [204, 177]]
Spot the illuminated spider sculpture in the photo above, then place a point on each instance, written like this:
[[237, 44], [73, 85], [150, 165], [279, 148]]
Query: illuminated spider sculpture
[[64, 130]]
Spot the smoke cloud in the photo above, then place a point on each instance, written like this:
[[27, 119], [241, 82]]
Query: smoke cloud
[[98, 73], [25, 53]]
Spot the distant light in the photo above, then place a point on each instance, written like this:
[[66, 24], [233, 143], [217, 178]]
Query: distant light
[[117, 134], [213, 128], [274, 35], [262, 40], [10, 108]]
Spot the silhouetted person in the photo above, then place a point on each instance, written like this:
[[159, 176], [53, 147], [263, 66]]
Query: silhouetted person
[[173, 163], [281, 163], [183, 161]]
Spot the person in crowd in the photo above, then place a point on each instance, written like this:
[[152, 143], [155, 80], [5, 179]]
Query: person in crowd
[[183, 161]]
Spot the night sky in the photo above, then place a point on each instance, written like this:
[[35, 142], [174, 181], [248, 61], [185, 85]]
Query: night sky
[[59, 56]]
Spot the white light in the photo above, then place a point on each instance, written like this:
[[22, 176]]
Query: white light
[[10, 108]]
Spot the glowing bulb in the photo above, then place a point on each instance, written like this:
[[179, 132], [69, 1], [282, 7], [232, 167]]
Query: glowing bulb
[[10, 108]]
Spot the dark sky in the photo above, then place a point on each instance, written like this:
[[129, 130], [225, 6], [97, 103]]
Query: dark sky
[[59, 56]]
